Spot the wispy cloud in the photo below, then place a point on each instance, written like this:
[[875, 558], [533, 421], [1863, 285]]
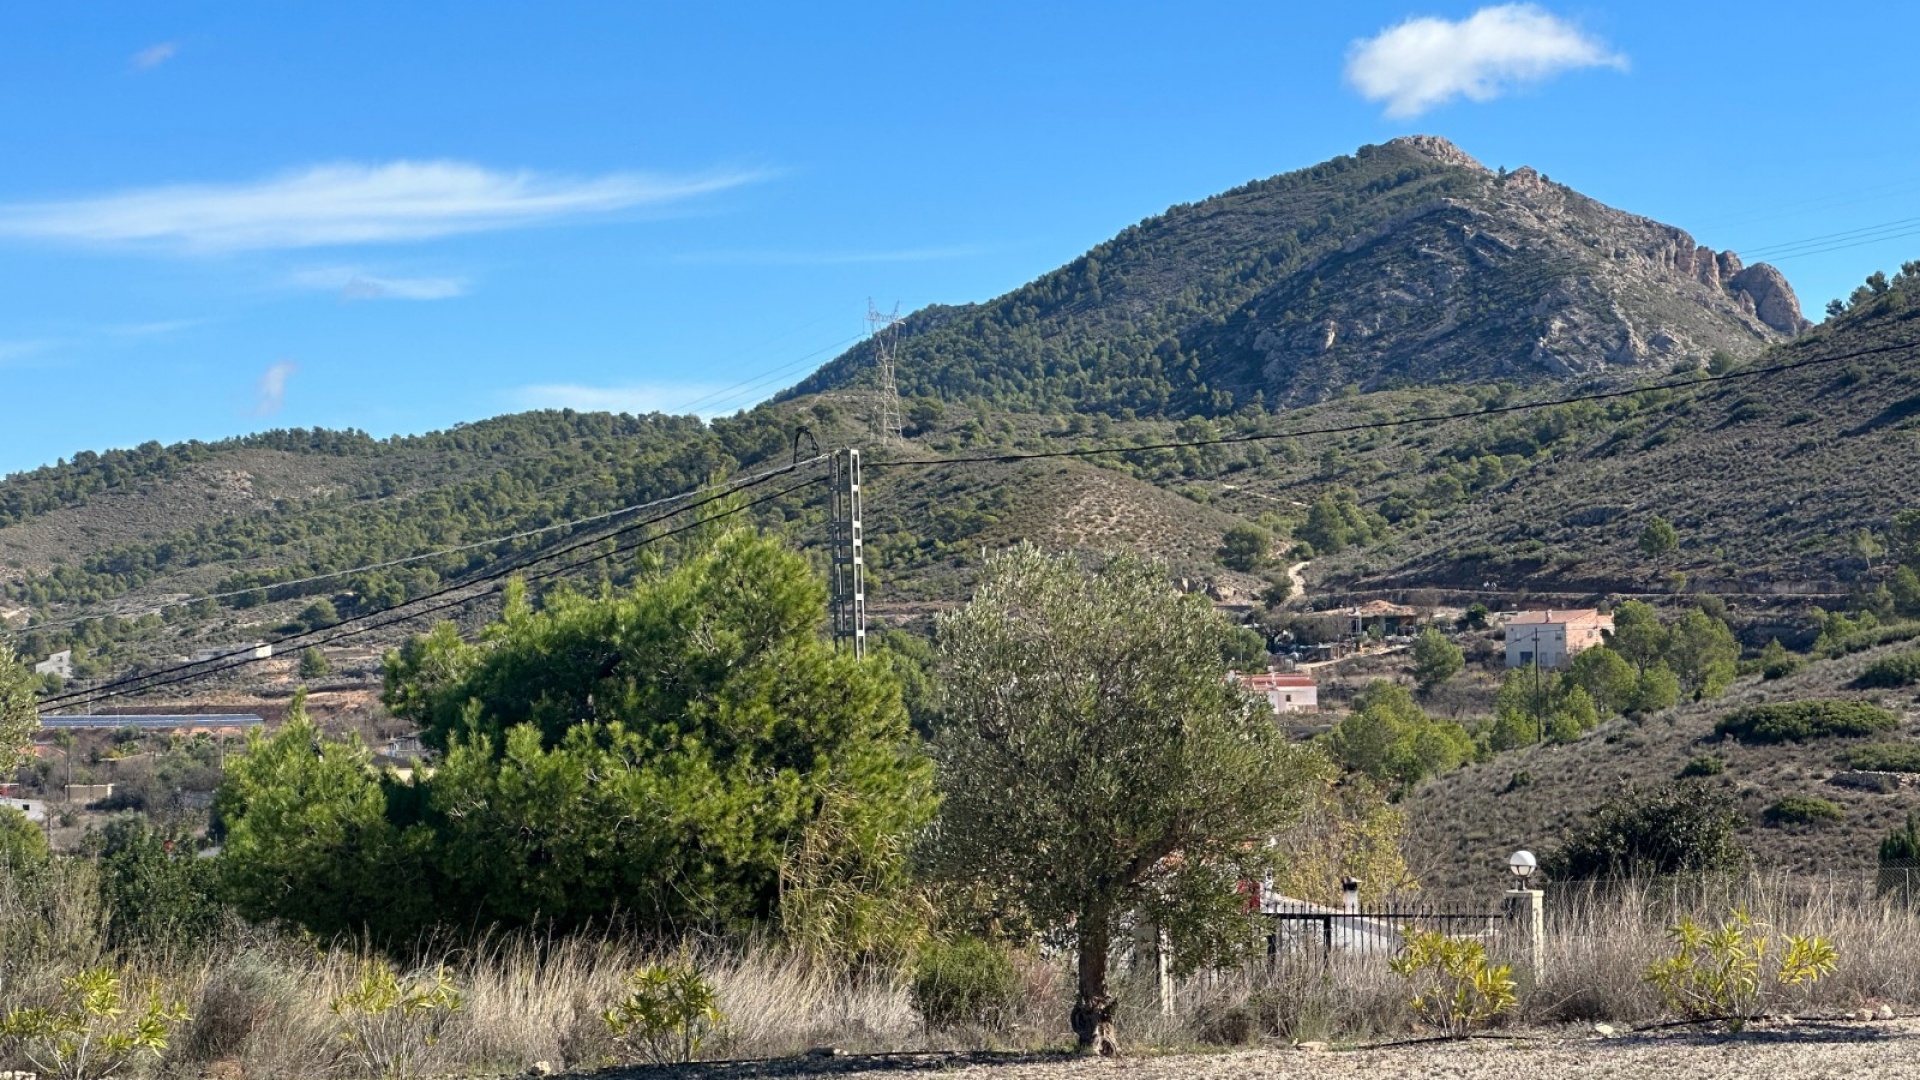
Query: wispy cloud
[[154, 55], [330, 205], [1426, 62], [831, 258], [270, 393], [161, 328], [354, 284], [22, 350], [637, 400]]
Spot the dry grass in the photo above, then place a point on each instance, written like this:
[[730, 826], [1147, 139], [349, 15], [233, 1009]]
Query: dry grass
[[260, 999]]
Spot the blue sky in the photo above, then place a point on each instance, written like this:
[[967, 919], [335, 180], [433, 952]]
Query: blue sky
[[219, 218]]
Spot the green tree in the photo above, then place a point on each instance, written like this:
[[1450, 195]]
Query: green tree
[[1638, 634], [23, 848], [155, 891], [319, 615], [1435, 659], [1905, 587], [19, 710], [307, 837], [1903, 537], [1703, 654], [1573, 715], [1659, 539], [1606, 677], [313, 664], [1657, 688], [1091, 736], [666, 752], [1245, 548]]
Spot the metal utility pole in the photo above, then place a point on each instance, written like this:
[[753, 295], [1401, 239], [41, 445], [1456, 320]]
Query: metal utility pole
[[882, 330], [848, 576]]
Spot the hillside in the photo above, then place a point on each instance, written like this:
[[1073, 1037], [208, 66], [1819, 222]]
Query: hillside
[[1469, 821], [1403, 264]]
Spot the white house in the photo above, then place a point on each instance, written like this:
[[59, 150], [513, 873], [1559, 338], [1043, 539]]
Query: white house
[[255, 651], [60, 663], [1551, 638], [1286, 691]]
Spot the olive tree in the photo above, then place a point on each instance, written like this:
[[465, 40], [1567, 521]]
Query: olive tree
[[1097, 766]]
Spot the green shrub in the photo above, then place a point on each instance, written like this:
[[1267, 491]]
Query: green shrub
[[1883, 757], [1889, 672], [1901, 847], [965, 982], [1456, 989], [1802, 810], [97, 1030], [391, 1022], [669, 1013], [1716, 974], [1803, 721], [1704, 765], [1672, 829]]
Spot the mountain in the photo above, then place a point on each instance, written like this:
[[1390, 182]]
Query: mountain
[[1404, 264], [1137, 345]]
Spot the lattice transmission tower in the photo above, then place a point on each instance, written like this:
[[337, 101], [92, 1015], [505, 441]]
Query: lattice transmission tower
[[883, 332]]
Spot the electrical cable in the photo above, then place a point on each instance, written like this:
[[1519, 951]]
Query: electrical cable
[[113, 688], [390, 563], [1376, 425]]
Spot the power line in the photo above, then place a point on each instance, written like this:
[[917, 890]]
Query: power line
[[197, 669], [179, 676], [389, 564], [1375, 425]]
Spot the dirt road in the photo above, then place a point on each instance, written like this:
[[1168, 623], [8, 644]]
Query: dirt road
[[1808, 1051]]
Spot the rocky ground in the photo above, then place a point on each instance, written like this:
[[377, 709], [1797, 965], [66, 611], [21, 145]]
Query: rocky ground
[[1792, 1051]]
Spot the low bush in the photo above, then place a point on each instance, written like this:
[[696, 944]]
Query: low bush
[[1802, 810], [1717, 975], [1883, 757], [97, 1030], [1456, 989], [668, 1015], [1704, 765], [1678, 828], [390, 1021], [1891, 672], [1804, 721], [965, 982]]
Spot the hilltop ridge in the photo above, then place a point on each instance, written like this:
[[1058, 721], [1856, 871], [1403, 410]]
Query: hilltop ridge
[[1406, 263]]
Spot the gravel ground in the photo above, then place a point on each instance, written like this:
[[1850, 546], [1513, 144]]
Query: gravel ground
[[1804, 1051]]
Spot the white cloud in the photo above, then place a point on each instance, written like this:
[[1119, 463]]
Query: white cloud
[[154, 55], [1426, 62], [349, 203], [270, 393], [353, 284], [638, 400]]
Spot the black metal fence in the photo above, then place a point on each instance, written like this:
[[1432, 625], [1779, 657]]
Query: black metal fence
[[1308, 930]]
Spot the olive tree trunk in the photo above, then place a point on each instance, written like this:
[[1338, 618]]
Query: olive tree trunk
[[1093, 1008]]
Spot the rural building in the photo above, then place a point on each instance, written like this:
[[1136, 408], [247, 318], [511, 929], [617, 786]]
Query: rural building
[[254, 651], [60, 663], [1392, 620], [1551, 638], [1288, 692]]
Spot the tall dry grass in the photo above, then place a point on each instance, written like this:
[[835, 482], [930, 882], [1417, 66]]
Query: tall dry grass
[[260, 997], [1601, 937]]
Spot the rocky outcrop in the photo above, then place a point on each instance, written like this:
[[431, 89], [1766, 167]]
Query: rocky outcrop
[[1773, 299]]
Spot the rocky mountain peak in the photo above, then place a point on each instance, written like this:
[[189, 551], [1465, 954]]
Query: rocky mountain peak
[[1439, 149]]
